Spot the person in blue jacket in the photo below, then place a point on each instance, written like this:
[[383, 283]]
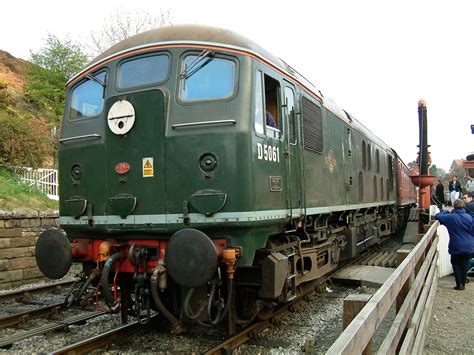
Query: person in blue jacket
[[460, 227], [469, 203]]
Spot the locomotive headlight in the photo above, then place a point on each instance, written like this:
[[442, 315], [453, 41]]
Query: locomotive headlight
[[208, 162], [76, 172]]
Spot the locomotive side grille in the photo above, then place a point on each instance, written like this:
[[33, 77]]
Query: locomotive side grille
[[312, 126]]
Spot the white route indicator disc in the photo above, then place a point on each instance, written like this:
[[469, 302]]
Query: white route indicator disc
[[121, 117]]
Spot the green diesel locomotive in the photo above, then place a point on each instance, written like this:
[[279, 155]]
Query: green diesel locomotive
[[206, 178]]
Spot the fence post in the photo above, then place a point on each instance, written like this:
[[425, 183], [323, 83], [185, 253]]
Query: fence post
[[401, 255], [352, 305]]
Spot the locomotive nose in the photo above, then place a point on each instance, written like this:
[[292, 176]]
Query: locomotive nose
[[191, 258], [53, 253]]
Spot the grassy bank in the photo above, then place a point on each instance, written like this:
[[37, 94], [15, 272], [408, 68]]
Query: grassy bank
[[14, 194]]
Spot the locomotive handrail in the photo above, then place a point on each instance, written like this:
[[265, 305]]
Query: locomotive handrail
[[94, 135], [202, 123]]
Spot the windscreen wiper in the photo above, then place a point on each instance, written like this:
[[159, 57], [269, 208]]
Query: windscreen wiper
[[88, 76], [193, 67]]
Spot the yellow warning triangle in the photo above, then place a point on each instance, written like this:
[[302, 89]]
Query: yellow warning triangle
[[147, 165]]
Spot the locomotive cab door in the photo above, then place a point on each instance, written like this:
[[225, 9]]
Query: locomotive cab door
[[270, 190], [293, 164], [135, 158]]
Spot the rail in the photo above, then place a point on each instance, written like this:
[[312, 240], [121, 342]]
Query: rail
[[412, 287], [45, 180]]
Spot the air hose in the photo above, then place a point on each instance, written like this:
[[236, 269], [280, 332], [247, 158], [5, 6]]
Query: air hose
[[104, 282], [156, 297], [220, 313]]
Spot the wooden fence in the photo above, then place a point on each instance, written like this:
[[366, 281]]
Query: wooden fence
[[412, 288]]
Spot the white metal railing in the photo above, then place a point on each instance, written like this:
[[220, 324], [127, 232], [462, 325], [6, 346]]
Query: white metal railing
[[45, 180]]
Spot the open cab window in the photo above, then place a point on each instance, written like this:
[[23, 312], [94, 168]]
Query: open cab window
[[267, 113], [87, 99]]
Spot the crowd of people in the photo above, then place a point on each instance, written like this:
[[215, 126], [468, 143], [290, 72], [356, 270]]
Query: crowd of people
[[456, 191], [459, 221]]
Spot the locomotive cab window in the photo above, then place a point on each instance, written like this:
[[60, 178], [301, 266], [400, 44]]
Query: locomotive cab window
[[272, 112], [267, 113], [143, 71], [205, 77], [87, 99]]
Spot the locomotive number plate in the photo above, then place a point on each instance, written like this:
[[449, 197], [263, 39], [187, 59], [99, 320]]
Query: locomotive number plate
[[275, 183]]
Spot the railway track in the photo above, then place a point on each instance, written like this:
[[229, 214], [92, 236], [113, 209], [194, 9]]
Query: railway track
[[252, 331], [376, 256], [52, 312], [251, 334], [100, 340], [22, 319], [56, 325], [25, 294], [24, 297]]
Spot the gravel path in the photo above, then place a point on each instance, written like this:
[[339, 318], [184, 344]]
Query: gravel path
[[451, 327]]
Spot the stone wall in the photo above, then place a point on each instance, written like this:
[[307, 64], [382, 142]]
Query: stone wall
[[19, 230]]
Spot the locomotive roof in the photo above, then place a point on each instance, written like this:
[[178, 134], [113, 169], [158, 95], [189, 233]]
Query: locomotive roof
[[200, 34], [188, 34]]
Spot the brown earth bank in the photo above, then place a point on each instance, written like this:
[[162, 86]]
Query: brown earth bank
[[451, 328], [12, 70]]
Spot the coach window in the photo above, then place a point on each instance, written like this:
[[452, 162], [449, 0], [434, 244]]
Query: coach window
[[87, 99], [272, 112], [290, 110], [143, 71], [205, 77]]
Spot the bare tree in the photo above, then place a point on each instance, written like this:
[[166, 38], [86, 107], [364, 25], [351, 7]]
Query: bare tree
[[125, 23]]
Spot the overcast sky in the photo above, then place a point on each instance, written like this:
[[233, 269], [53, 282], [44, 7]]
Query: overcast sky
[[375, 59]]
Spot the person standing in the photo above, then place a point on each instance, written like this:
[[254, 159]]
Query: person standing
[[439, 193], [454, 189], [469, 203], [460, 227], [470, 185]]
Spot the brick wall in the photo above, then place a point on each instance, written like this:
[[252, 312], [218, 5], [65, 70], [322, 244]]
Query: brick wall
[[19, 230]]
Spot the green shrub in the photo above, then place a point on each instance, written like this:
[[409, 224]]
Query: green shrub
[[24, 141], [6, 98]]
